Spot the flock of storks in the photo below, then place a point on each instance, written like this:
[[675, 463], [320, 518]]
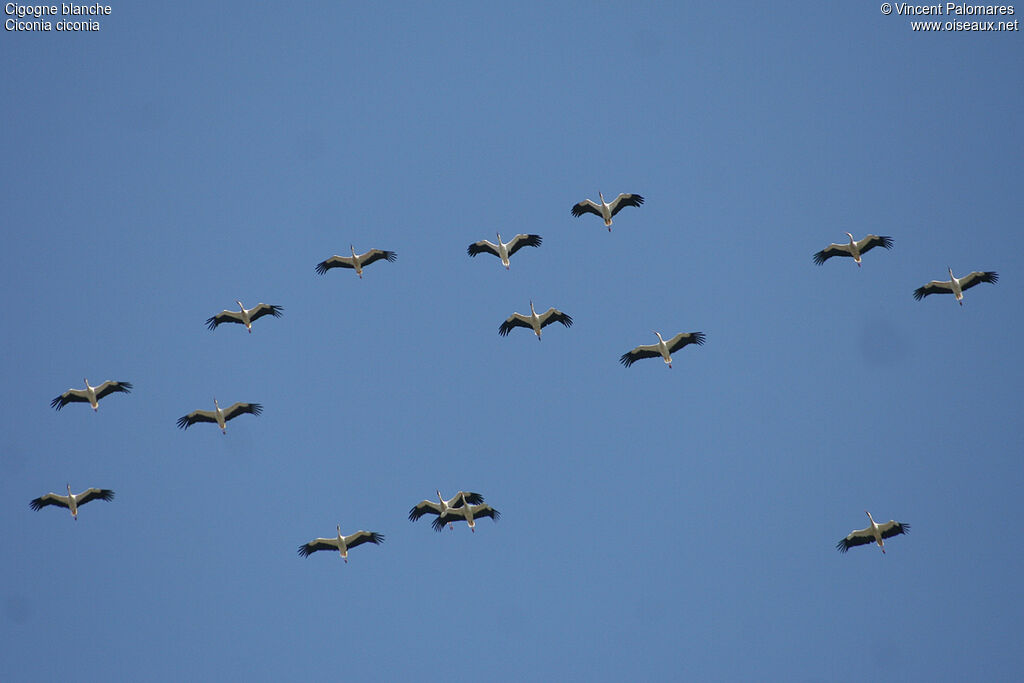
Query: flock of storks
[[468, 506]]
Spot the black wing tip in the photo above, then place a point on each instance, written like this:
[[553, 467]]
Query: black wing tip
[[376, 538], [212, 323], [495, 515], [505, 329], [126, 387], [990, 276], [842, 546], [566, 320], [886, 241], [438, 524], [920, 293], [183, 422], [36, 503], [626, 359], [390, 256], [473, 250], [256, 408], [57, 403], [276, 310], [322, 268], [638, 199], [106, 494], [305, 550], [820, 257], [473, 498], [533, 240], [577, 211], [698, 338]]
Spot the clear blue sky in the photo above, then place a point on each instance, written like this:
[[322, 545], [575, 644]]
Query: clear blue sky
[[656, 523]]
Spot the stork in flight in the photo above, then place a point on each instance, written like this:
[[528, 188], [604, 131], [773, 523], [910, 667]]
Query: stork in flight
[[442, 506], [606, 210], [504, 250], [218, 416], [955, 285], [873, 534], [245, 316], [71, 501], [533, 321], [469, 513], [341, 543], [663, 348], [855, 248], [90, 395], [357, 262]]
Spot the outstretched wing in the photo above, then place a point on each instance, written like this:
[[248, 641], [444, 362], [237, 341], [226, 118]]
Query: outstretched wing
[[971, 279], [308, 549], [933, 287], [49, 499], [241, 408], [639, 353], [623, 200], [335, 262], [376, 255], [553, 315], [360, 537], [871, 241], [94, 494], [265, 309], [586, 206], [70, 396], [110, 387], [187, 421], [520, 241], [514, 320], [893, 528], [832, 250], [224, 317], [482, 247], [683, 339], [422, 508]]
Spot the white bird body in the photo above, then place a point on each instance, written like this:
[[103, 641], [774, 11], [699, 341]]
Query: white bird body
[[534, 321], [71, 501], [855, 248], [876, 533], [605, 209], [955, 285], [469, 513], [504, 250], [356, 262], [341, 543], [245, 316], [219, 416], [663, 348], [90, 394]]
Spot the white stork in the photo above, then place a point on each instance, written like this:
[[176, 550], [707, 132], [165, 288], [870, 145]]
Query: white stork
[[90, 394], [663, 348], [854, 248], [71, 501], [955, 285], [504, 249], [873, 534], [468, 513], [357, 262], [442, 506], [245, 316], [533, 321], [218, 416], [341, 543], [606, 210]]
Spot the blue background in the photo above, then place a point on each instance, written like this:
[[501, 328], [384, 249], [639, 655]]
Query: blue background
[[656, 524]]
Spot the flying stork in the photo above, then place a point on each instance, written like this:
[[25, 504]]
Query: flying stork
[[955, 285], [468, 513], [71, 501], [663, 348], [533, 321], [341, 543], [442, 506], [854, 249], [357, 262], [504, 249], [245, 316], [606, 210], [218, 416], [90, 395], [873, 534]]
